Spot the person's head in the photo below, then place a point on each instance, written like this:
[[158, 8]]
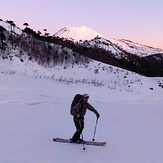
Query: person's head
[[85, 97]]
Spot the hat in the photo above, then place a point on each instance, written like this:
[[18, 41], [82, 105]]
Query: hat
[[86, 96]]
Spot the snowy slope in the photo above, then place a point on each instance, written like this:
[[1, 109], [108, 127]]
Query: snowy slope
[[33, 111], [136, 48], [94, 73]]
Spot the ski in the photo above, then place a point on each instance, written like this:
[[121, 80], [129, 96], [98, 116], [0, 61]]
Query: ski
[[62, 140]]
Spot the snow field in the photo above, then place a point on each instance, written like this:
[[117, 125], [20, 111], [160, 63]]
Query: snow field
[[33, 111]]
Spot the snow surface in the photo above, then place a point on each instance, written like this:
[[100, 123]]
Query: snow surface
[[34, 109]]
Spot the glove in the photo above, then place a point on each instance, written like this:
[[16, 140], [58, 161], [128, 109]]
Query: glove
[[98, 115]]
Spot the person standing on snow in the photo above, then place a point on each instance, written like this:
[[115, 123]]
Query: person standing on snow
[[78, 112]]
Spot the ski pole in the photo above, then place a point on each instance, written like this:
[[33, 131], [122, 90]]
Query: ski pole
[[95, 130]]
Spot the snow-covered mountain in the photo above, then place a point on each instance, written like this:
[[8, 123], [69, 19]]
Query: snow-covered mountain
[[84, 33], [126, 54], [90, 73], [85, 44], [77, 33], [136, 48]]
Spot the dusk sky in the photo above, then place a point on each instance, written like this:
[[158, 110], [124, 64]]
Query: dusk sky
[[136, 20]]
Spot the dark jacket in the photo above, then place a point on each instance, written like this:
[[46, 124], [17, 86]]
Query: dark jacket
[[80, 109]]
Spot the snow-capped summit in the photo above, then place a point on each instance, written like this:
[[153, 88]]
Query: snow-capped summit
[[85, 33], [78, 33]]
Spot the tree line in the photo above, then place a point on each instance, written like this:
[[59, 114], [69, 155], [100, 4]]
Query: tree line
[[39, 48]]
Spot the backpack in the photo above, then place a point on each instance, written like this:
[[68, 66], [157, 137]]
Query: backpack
[[76, 99]]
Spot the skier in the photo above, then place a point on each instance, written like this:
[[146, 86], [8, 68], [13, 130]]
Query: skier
[[78, 112]]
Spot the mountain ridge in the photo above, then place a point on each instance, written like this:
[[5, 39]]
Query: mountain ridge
[[51, 50], [83, 33]]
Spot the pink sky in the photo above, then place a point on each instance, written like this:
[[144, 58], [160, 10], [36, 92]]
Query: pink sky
[[136, 20]]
